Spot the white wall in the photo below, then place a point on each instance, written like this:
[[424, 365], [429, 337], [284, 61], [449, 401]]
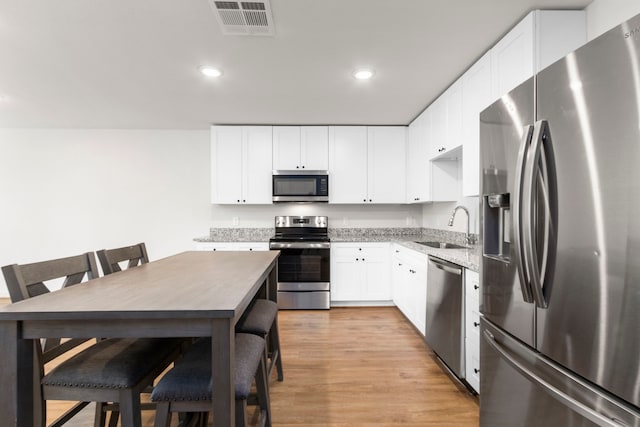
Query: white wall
[[436, 215], [340, 216], [602, 15], [64, 192]]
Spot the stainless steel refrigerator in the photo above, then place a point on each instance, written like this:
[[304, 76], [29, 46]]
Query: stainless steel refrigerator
[[560, 238]]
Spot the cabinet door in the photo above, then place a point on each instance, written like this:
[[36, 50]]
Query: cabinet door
[[386, 181], [472, 328], [476, 95], [348, 164], [454, 116], [419, 294], [418, 164], [257, 146], [512, 58], [251, 246], [438, 143], [286, 148], [399, 283], [314, 147], [377, 280], [226, 164], [346, 273], [214, 246]]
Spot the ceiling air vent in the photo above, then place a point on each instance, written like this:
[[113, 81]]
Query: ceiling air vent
[[249, 18]]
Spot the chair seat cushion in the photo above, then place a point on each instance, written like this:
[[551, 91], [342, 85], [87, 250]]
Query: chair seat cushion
[[113, 363], [190, 378], [259, 318]]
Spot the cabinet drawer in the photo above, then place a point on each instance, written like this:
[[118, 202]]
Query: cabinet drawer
[[472, 284], [473, 325], [472, 373]]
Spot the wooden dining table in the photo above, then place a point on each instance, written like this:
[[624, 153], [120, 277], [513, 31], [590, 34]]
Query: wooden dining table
[[192, 294]]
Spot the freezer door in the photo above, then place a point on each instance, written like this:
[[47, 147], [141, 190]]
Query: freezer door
[[519, 387], [505, 133], [589, 103]]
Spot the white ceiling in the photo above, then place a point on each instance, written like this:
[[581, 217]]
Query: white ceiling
[[134, 63]]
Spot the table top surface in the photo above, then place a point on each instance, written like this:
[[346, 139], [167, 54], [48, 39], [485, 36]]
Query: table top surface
[[193, 284]]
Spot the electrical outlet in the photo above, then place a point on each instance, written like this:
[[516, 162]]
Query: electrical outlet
[[235, 220], [345, 221]]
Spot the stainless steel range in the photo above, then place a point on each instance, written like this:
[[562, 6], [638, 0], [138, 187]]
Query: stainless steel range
[[303, 265]]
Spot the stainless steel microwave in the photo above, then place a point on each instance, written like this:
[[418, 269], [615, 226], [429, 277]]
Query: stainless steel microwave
[[300, 186]]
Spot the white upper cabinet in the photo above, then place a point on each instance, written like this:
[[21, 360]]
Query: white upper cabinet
[[386, 164], [241, 164], [541, 38], [300, 147], [347, 164], [476, 95], [418, 165], [367, 164], [446, 121], [314, 147]]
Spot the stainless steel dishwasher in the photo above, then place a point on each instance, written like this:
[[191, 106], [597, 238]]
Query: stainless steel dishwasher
[[445, 308]]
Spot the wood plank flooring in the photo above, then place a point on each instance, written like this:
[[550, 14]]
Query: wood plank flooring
[[350, 367]]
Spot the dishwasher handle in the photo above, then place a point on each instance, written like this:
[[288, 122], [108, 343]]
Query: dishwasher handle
[[446, 266]]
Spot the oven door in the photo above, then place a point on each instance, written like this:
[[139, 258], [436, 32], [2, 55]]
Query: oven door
[[303, 275]]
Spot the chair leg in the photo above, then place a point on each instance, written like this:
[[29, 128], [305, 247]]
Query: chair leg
[[241, 413], [113, 418], [101, 416], [274, 338], [262, 387], [163, 416], [130, 408]]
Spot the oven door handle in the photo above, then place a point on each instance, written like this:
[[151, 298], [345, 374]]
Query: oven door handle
[[299, 245]]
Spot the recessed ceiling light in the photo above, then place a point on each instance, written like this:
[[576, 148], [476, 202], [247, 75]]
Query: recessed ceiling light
[[363, 74], [210, 71]]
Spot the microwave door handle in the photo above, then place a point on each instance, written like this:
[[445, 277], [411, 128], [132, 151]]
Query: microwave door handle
[[521, 266]]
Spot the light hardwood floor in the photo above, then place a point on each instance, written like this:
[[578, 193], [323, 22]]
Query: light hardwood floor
[[350, 367]]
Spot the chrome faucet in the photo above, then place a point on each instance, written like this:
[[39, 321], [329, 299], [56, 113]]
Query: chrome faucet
[[468, 237]]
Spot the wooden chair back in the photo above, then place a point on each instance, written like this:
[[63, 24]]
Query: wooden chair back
[[110, 258], [28, 281]]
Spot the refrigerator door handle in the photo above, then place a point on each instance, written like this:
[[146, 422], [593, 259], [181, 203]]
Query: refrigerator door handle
[[534, 174], [521, 267], [566, 400]]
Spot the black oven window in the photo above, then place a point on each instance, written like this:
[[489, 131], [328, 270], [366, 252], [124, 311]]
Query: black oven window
[[303, 267]]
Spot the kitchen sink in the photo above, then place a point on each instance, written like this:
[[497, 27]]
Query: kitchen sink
[[443, 245]]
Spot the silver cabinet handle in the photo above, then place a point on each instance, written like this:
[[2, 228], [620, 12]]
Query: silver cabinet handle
[[563, 398]]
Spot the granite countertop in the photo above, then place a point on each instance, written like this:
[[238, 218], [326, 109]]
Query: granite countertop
[[468, 258]]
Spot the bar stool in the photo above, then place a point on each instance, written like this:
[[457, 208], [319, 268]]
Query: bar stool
[[262, 319], [187, 387]]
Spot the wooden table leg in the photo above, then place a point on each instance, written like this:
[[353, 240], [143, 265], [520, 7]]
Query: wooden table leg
[[16, 378], [272, 283], [223, 372]]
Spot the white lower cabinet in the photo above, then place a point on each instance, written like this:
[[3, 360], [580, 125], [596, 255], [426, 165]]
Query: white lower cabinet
[[232, 246], [360, 272], [472, 329], [409, 269]]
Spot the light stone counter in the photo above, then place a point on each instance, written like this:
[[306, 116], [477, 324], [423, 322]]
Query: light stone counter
[[468, 258]]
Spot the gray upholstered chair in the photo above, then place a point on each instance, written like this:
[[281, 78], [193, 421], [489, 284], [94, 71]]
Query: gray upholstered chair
[[110, 259], [187, 386], [110, 371], [261, 318]]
